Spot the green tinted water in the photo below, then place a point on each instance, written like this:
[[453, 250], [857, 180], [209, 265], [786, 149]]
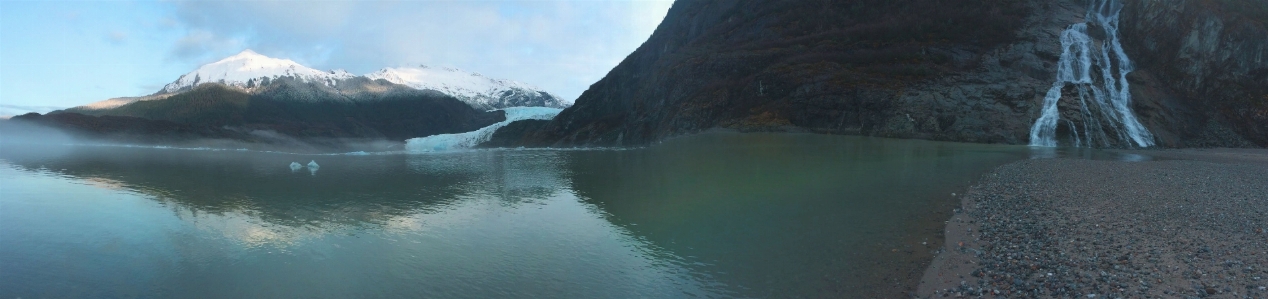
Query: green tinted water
[[714, 215]]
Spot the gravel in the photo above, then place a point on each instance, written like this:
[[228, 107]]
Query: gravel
[[1070, 228]]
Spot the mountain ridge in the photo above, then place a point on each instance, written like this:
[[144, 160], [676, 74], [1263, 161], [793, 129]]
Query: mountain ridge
[[249, 71], [472, 88], [272, 117], [946, 70]]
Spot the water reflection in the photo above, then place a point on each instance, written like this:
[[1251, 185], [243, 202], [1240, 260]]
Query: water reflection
[[487, 224], [710, 216], [791, 214], [1039, 152]]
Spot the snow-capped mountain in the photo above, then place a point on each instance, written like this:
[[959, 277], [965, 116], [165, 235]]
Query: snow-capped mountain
[[475, 89], [249, 69]]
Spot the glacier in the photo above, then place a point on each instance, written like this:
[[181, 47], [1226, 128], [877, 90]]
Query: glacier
[[1082, 61], [447, 142]]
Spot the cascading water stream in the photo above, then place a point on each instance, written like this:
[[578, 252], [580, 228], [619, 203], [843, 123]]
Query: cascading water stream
[[1104, 104]]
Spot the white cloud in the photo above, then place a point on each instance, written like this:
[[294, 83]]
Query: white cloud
[[117, 37], [562, 46], [200, 43]]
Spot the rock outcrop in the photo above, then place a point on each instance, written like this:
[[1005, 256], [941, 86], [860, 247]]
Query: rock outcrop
[[954, 70], [512, 134], [1209, 59]]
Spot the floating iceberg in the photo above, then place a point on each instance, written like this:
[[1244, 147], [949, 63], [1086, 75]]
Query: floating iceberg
[[444, 142], [295, 166], [313, 167]]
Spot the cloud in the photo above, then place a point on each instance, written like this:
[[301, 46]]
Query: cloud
[[199, 44], [117, 37], [561, 45], [167, 22]]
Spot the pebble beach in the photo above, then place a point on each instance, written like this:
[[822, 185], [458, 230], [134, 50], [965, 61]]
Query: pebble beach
[[1182, 224]]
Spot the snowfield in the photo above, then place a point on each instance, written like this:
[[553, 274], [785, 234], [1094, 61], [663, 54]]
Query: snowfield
[[469, 87], [249, 70], [242, 69]]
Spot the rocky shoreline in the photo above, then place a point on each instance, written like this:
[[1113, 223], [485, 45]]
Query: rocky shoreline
[[1185, 224]]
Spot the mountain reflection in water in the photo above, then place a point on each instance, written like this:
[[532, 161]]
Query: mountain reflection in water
[[713, 215]]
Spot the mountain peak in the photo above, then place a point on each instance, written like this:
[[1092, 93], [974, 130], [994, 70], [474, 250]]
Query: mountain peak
[[473, 88], [250, 70], [248, 60], [248, 67], [247, 54]]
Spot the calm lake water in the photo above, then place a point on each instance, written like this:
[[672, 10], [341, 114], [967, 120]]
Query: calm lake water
[[713, 215]]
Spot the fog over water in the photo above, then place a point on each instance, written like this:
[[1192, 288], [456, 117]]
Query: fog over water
[[28, 136]]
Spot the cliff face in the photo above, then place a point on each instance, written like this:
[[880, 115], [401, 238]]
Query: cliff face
[[1211, 58], [957, 70]]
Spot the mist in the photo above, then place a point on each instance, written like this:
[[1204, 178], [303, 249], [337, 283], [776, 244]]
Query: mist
[[27, 140]]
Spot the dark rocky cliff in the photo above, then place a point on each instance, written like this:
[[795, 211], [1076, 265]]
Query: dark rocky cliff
[[958, 70], [1209, 58]]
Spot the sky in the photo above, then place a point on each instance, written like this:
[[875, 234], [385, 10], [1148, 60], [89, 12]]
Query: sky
[[60, 54]]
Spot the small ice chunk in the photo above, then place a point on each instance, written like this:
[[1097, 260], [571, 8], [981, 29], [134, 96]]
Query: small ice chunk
[[295, 166], [313, 164]]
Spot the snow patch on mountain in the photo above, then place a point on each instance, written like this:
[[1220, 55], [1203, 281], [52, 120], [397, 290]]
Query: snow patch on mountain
[[248, 69], [473, 88], [447, 142]]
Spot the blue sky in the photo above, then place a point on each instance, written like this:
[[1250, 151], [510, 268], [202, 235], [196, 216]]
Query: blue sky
[[58, 54]]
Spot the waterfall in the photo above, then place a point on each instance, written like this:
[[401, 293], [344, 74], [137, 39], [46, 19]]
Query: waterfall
[[1098, 73]]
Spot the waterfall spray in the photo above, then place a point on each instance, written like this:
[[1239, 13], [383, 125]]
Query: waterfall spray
[[1104, 104]]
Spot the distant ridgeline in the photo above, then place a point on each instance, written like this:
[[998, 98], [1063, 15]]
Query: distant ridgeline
[[1100, 73], [250, 97]]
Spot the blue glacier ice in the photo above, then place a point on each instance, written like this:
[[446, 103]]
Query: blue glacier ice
[[295, 166], [446, 142]]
